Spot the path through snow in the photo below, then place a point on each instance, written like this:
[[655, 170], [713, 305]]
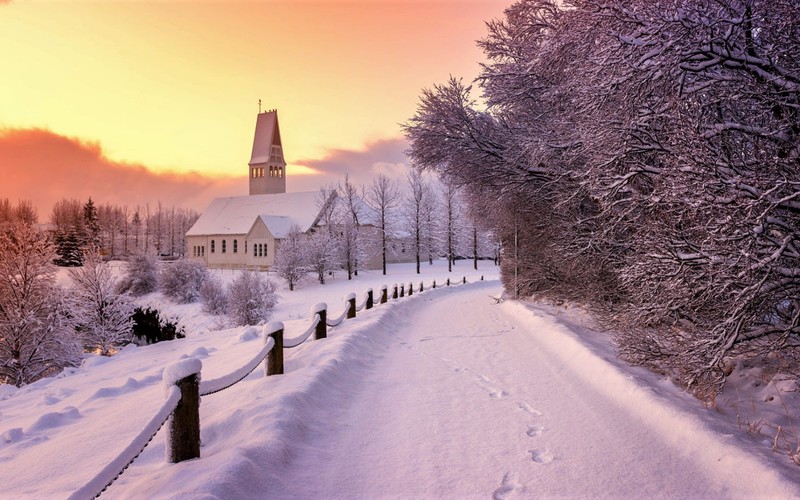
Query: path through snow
[[469, 401]]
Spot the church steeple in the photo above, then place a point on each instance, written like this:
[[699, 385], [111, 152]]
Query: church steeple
[[267, 168]]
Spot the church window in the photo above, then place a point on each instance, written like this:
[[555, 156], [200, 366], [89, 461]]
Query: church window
[[255, 250], [212, 246], [235, 246], [245, 246], [280, 172], [224, 244], [265, 249]]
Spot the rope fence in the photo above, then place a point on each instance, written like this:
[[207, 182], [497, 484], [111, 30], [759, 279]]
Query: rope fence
[[183, 387]]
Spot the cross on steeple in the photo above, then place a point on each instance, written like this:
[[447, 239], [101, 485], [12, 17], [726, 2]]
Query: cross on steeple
[[259, 106]]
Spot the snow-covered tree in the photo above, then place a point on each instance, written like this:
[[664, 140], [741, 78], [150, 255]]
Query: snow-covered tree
[[182, 280], [36, 325], [639, 157], [251, 299], [291, 262], [321, 253], [103, 315], [141, 275]]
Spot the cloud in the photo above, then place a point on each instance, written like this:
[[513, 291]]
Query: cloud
[[386, 156], [45, 167]]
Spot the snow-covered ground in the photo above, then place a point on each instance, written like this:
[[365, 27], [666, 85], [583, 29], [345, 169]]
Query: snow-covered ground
[[444, 394]]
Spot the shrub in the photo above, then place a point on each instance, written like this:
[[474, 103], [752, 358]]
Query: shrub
[[213, 296], [141, 276], [181, 281], [251, 299], [149, 327]]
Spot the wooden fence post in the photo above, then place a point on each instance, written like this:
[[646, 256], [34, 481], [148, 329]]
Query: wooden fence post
[[434, 283], [421, 287], [273, 364], [464, 280], [402, 289], [351, 305], [369, 299], [394, 291], [384, 294], [322, 327], [183, 438], [410, 289], [448, 281], [481, 277]]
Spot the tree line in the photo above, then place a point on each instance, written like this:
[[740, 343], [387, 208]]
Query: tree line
[[117, 230], [639, 157], [385, 220]]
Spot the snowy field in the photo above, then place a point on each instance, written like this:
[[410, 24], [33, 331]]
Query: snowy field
[[445, 394]]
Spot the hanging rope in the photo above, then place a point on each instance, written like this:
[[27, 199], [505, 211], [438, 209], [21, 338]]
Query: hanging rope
[[222, 383], [99, 483], [289, 343]]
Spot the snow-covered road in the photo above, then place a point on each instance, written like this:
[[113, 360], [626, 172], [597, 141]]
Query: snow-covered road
[[470, 401]]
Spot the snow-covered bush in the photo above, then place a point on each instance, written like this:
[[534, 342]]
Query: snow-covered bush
[[251, 299], [36, 327], [103, 315], [213, 296], [181, 280], [141, 276]]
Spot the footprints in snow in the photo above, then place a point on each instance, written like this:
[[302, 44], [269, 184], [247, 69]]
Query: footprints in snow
[[535, 430], [541, 456]]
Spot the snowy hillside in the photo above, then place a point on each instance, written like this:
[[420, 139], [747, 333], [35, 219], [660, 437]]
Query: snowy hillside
[[443, 394]]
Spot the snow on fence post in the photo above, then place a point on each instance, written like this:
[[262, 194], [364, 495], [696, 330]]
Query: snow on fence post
[[394, 291], [402, 290], [273, 363], [351, 305], [369, 299], [322, 327], [384, 294], [183, 427]]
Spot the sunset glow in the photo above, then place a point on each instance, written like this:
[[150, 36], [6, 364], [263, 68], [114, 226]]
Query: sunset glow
[[174, 86]]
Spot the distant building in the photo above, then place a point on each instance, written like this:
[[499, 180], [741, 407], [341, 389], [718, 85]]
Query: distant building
[[245, 232]]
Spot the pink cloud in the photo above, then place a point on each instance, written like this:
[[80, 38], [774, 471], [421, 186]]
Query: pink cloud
[[386, 156], [44, 167]]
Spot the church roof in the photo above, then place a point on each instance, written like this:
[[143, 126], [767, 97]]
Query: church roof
[[236, 214], [267, 134]]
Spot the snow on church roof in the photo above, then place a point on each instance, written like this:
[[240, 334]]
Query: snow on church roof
[[236, 215]]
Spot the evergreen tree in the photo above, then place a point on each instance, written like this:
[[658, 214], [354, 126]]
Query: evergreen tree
[[68, 249]]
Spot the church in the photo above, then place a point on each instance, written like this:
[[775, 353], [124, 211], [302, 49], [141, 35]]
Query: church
[[244, 232]]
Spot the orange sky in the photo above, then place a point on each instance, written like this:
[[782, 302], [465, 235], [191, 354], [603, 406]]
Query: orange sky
[[173, 86]]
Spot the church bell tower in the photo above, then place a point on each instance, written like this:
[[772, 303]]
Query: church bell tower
[[266, 168]]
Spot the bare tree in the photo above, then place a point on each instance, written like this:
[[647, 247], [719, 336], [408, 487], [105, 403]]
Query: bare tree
[[383, 196], [416, 211]]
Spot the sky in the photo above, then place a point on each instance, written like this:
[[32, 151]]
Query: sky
[[132, 102]]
